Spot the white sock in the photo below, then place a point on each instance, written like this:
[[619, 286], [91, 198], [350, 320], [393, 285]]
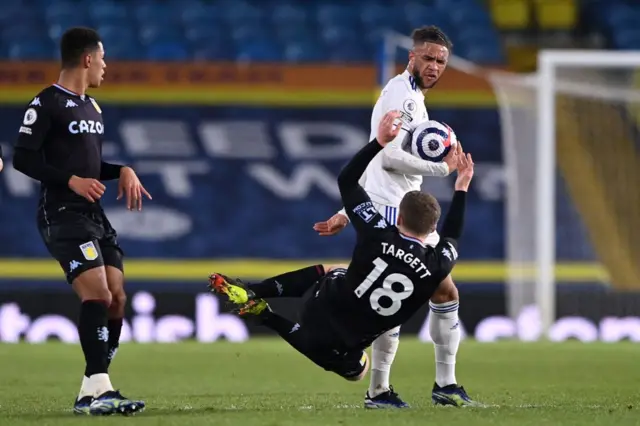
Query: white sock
[[95, 385], [444, 328], [84, 388], [383, 352]]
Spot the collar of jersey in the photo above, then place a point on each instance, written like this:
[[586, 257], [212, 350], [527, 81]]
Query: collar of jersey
[[411, 81], [67, 91], [415, 240]]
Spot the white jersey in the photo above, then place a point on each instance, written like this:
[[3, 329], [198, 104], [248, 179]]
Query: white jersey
[[395, 171]]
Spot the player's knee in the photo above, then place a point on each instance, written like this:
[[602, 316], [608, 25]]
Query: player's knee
[[92, 285], [446, 291], [363, 373], [118, 302], [330, 267]]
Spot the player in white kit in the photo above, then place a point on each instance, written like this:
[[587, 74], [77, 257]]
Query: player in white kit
[[391, 174]]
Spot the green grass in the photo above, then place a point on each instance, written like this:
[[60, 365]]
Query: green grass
[[265, 382]]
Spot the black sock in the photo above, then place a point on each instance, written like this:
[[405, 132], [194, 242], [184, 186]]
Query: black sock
[[94, 336], [290, 284], [301, 338], [115, 327]]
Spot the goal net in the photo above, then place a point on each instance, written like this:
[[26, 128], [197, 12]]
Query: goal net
[[570, 150]]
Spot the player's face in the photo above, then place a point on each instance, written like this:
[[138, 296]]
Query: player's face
[[427, 62], [96, 67]]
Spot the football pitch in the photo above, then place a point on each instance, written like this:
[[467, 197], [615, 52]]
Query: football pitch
[[265, 382]]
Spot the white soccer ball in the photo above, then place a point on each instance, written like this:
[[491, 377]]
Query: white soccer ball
[[432, 141]]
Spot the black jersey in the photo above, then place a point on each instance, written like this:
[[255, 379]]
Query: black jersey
[[66, 131], [390, 275]]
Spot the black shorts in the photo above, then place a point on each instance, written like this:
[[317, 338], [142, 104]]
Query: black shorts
[[327, 349], [80, 239]]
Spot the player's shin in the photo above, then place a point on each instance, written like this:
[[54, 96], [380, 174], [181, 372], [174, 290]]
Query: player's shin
[[94, 338], [383, 352], [444, 328], [115, 313], [114, 325], [290, 284]]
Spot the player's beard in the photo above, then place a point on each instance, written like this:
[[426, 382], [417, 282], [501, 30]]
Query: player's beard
[[420, 81]]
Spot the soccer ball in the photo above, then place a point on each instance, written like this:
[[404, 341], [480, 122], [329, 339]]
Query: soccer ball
[[432, 141]]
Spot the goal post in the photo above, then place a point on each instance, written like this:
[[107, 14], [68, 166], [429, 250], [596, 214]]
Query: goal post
[[570, 144], [584, 77]]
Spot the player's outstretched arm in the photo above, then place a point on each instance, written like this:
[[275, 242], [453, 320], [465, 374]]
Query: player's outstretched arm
[[349, 178], [394, 158], [454, 220], [353, 195], [358, 205]]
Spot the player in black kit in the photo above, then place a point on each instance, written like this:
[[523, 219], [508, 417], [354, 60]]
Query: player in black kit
[[60, 145], [392, 272]]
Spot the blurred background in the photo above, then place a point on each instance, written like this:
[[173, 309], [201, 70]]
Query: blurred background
[[238, 114]]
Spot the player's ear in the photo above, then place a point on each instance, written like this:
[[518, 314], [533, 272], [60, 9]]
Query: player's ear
[[86, 61]]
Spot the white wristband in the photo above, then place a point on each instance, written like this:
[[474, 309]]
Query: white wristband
[[343, 212]]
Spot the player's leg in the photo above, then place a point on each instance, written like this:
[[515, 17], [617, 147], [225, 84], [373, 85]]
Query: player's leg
[[290, 284], [383, 353], [445, 332], [312, 337], [113, 259], [69, 237], [115, 314], [313, 342], [91, 287]]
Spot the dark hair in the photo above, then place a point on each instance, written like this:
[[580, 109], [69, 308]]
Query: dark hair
[[431, 34], [75, 43], [420, 212]]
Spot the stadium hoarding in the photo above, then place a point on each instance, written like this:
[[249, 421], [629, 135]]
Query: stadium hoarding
[[168, 316], [233, 183], [237, 84], [282, 164]]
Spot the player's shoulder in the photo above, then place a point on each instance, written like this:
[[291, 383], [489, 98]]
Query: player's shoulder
[[402, 94], [50, 97], [42, 98], [400, 86]]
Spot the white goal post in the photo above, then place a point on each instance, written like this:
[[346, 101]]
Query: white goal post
[[550, 84], [588, 88]]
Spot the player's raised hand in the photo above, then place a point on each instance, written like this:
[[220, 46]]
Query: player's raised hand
[[334, 225], [388, 129], [91, 189], [453, 157], [465, 172], [130, 185]]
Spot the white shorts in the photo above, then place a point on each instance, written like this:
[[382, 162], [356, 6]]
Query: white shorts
[[390, 213]]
